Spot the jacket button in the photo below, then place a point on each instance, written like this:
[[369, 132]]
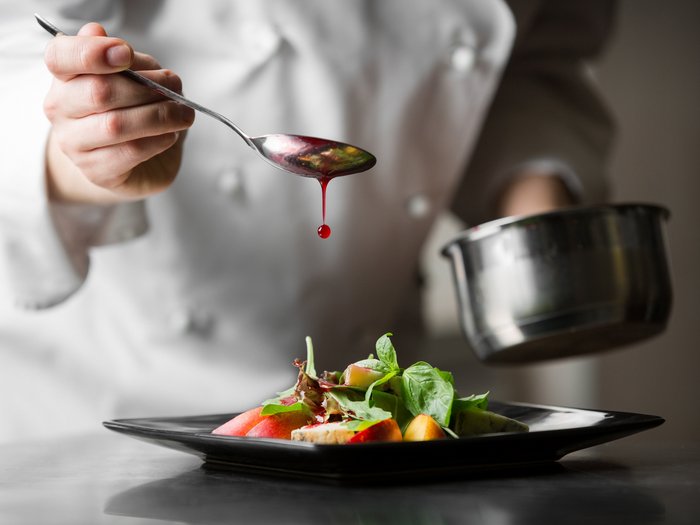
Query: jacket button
[[190, 321], [462, 58], [418, 206], [127, 233], [261, 41], [230, 183]]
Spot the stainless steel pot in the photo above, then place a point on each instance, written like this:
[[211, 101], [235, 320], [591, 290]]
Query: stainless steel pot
[[562, 283]]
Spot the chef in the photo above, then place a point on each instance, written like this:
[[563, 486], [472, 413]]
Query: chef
[[152, 264]]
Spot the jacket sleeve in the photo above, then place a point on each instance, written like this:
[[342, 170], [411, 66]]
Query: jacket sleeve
[[43, 246], [546, 112]]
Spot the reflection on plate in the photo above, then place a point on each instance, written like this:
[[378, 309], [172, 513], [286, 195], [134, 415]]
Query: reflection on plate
[[554, 432]]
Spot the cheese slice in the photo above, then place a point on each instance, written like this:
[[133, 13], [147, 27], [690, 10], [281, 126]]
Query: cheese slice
[[326, 433]]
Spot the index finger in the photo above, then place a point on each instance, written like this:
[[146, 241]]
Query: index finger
[[69, 56]]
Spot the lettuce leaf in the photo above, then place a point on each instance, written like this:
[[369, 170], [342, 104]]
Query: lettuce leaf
[[355, 405], [270, 409], [310, 366]]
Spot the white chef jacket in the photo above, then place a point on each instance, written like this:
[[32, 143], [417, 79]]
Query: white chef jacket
[[199, 299]]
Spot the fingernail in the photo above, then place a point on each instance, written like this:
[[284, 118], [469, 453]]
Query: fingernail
[[119, 55]]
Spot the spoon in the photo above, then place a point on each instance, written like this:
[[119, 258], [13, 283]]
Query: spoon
[[298, 154]]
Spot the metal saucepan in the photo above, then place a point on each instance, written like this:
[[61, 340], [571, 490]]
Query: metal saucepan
[[563, 283]]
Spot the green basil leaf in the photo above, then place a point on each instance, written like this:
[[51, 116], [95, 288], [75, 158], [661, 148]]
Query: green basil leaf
[[373, 364], [479, 401], [447, 376], [387, 353], [395, 385], [426, 391], [378, 382], [392, 403]]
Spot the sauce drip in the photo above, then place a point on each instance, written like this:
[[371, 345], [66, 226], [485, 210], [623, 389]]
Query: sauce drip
[[324, 231]]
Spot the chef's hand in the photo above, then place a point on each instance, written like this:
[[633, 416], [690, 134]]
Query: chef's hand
[[111, 139], [534, 191]]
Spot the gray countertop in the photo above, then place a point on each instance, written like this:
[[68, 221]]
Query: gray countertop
[[108, 478]]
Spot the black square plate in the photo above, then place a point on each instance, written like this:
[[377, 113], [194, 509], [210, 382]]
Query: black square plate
[[554, 432]]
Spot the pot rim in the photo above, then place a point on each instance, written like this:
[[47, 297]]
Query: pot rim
[[489, 228]]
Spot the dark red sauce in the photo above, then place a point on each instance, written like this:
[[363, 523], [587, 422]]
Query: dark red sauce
[[324, 231]]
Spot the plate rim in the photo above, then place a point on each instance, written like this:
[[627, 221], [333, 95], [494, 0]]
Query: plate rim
[[642, 422]]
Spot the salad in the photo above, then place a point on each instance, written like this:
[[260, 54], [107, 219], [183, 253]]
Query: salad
[[373, 399]]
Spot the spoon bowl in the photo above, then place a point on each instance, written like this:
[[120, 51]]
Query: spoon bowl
[[312, 156]]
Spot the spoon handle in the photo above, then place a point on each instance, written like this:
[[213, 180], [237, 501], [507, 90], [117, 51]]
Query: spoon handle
[[172, 95]]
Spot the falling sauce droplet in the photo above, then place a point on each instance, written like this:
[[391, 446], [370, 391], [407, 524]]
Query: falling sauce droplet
[[324, 231]]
